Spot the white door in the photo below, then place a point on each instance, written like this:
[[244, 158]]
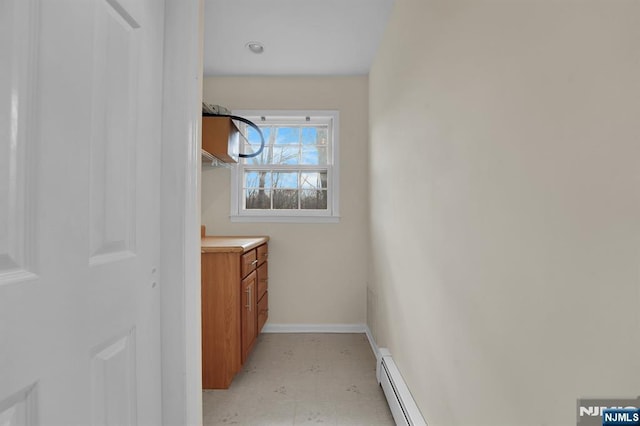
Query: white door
[[80, 133]]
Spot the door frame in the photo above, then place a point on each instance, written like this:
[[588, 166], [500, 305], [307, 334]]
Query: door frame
[[180, 214]]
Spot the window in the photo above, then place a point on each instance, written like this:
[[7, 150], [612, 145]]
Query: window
[[295, 178]]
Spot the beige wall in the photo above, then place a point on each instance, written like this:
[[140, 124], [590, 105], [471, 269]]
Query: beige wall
[[505, 205], [317, 271]]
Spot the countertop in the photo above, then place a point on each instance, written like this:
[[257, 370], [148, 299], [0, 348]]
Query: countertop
[[215, 244]]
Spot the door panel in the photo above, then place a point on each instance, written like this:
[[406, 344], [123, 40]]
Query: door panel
[[114, 124], [19, 409], [113, 382], [80, 139], [18, 40]]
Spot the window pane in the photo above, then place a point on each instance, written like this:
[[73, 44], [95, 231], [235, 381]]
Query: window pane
[[309, 135], [313, 199], [313, 180], [323, 136], [286, 154], [288, 135], [314, 155], [257, 199], [253, 145], [254, 137], [285, 199], [258, 179], [285, 180], [250, 149], [282, 155]]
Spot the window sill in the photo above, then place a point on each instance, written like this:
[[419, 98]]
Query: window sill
[[285, 219]]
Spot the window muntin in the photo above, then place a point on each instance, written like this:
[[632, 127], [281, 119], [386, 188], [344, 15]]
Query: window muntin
[[285, 190], [294, 176], [303, 144]]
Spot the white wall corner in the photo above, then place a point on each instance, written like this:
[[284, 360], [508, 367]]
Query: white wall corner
[[374, 347]]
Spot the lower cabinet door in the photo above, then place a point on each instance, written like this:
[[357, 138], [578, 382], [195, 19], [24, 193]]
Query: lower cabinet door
[[263, 280], [263, 311], [249, 314]]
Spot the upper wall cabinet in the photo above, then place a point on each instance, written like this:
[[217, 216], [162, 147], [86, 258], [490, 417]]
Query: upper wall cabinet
[[220, 139]]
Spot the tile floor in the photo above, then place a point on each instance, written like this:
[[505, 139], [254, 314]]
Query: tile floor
[[295, 379]]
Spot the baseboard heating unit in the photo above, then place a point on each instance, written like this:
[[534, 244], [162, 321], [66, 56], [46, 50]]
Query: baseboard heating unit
[[403, 407]]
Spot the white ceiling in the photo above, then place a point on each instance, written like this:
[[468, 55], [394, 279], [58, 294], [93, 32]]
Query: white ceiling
[[300, 37]]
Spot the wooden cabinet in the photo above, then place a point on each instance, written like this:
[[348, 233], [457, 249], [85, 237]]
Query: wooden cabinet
[[263, 311], [263, 285], [234, 304], [249, 261], [221, 138], [261, 295], [263, 280], [249, 315]]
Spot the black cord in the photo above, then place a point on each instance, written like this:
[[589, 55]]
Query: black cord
[[248, 122]]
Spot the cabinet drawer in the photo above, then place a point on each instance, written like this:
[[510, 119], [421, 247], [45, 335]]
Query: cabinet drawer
[[263, 279], [263, 253], [248, 262], [263, 311]]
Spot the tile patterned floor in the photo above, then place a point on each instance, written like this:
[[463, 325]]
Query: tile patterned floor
[[295, 379]]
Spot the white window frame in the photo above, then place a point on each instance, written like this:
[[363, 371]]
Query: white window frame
[[332, 214]]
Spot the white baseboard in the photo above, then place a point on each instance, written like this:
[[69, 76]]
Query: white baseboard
[[314, 328]]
